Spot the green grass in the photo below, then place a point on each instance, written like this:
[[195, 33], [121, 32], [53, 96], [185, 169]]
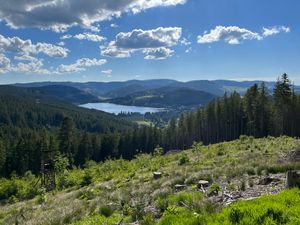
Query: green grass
[[121, 189], [283, 208]]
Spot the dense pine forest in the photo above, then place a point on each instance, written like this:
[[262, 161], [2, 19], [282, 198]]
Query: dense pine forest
[[28, 128]]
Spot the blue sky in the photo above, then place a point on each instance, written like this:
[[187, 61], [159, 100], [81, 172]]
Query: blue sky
[[104, 40]]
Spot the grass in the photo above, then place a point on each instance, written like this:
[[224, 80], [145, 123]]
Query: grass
[[283, 208], [116, 190]]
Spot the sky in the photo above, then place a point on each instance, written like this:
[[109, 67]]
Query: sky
[[109, 40]]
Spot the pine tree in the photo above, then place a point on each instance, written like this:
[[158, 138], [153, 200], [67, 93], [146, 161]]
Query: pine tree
[[66, 139], [2, 156], [282, 104]]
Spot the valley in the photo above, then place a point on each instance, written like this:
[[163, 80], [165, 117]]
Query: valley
[[224, 161]]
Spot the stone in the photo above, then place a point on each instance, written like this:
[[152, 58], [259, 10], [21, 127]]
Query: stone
[[157, 175], [203, 183], [293, 179]]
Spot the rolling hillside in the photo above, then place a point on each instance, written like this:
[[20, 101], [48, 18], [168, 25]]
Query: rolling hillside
[[169, 97], [47, 106], [166, 189]]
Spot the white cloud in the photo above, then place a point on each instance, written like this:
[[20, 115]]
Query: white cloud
[[231, 35], [35, 66], [90, 37], [158, 53], [235, 35], [113, 25], [185, 42], [156, 41], [85, 36], [20, 46], [61, 43], [66, 36], [269, 31], [107, 71], [25, 58], [80, 65], [30, 65], [4, 63], [139, 39], [113, 51], [59, 15]]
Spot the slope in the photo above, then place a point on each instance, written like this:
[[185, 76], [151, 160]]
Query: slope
[[166, 97], [128, 191]]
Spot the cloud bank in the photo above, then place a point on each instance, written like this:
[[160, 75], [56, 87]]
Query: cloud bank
[[59, 15]]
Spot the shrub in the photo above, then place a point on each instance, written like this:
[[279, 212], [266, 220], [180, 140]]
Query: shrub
[[87, 178], [106, 211], [183, 160], [148, 220]]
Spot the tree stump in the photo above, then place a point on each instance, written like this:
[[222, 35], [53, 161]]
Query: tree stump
[[157, 175]]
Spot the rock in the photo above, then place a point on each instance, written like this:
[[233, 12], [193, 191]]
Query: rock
[[203, 183], [267, 180], [293, 179], [157, 175], [180, 186]]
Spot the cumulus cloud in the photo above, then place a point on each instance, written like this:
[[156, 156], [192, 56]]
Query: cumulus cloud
[[80, 65], [151, 42], [35, 66], [158, 53], [85, 36], [4, 63], [20, 46], [231, 35], [269, 31], [59, 15], [235, 35], [159, 37], [28, 64]]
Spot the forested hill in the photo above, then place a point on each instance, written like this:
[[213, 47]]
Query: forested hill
[[30, 121], [34, 108], [49, 93], [90, 135], [166, 97]]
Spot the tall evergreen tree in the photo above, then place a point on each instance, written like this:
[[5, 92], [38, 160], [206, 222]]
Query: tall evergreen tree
[[66, 139]]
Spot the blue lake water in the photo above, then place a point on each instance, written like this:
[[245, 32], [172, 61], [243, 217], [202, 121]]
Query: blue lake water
[[116, 109]]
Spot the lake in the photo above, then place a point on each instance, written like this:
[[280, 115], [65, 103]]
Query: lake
[[116, 109]]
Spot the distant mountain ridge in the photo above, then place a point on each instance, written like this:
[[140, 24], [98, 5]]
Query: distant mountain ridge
[[111, 89], [155, 93]]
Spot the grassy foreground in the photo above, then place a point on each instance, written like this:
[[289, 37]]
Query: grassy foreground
[[120, 191], [283, 208]]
